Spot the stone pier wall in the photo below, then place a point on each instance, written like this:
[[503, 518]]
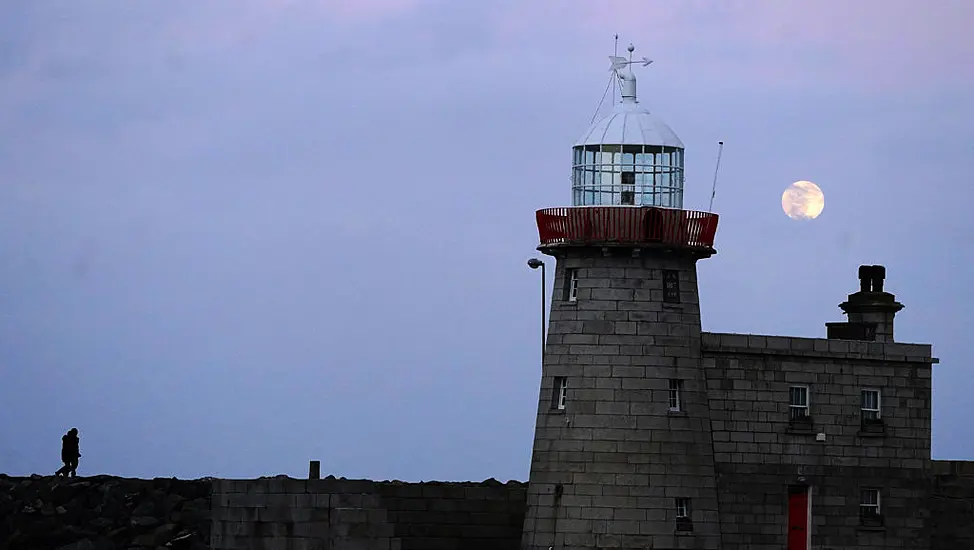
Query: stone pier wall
[[951, 505], [107, 513], [339, 514]]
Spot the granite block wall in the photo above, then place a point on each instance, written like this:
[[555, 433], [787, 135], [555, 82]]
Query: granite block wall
[[951, 505], [609, 468], [759, 453], [340, 514]]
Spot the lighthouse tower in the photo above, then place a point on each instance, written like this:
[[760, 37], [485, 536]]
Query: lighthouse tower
[[623, 452]]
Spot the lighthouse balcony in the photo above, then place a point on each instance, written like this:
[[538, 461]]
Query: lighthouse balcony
[[629, 226]]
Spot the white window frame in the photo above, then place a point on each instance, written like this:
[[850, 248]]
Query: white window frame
[[863, 505], [676, 395], [871, 413], [792, 406], [560, 395], [572, 289], [683, 508]]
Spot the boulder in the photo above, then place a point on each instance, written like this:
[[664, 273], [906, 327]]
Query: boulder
[[103, 513]]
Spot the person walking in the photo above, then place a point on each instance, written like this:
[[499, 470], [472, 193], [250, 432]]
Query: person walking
[[70, 453]]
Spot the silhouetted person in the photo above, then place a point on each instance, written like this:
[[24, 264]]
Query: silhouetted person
[[70, 453]]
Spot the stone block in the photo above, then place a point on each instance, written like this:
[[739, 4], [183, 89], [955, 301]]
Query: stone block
[[625, 327], [593, 350], [597, 305], [778, 342], [802, 344], [646, 306], [643, 316], [584, 339], [635, 342], [637, 372]]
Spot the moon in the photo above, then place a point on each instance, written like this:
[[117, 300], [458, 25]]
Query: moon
[[803, 200]]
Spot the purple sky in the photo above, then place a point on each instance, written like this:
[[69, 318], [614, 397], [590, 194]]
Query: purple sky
[[239, 235]]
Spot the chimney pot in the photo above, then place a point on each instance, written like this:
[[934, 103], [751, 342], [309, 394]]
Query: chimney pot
[[879, 273], [864, 277]]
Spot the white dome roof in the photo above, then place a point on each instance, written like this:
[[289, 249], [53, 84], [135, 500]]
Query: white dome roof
[[629, 124]]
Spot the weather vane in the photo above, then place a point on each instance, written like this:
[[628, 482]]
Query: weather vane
[[619, 63]]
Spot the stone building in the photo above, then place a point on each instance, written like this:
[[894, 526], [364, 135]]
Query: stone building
[[654, 434]]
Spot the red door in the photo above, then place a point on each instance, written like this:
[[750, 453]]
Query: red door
[[798, 518]]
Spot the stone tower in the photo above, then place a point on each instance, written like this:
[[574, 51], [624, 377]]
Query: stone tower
[[623, 453]]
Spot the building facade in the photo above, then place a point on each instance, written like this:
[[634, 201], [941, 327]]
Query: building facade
[[654, 434]]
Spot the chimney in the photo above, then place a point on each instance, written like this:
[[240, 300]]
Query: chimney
[[870, 311]]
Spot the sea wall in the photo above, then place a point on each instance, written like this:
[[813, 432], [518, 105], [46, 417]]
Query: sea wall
[[339, 514], [106, 513], [103, 513], [951, 505]]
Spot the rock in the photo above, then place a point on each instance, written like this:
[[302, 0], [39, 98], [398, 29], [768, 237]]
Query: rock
[[145, 508], [116, 533], [80, 545], [104, 513], [181, 540], [144, 521], [147, 539], [165, 533], [102, 523]]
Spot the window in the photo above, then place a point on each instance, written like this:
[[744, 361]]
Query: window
[[559, 393], [870, 405], [683, 521], [628, 187], [869, 511], [798, 403], [571, 285], [671, 286], [676, 395]]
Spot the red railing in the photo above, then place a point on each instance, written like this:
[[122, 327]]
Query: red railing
[[626, 225]]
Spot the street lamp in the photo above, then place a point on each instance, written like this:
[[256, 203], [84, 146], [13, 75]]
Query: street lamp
[[535, 263]]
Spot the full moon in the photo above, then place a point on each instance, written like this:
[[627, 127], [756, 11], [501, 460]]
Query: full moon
[[803, 200]]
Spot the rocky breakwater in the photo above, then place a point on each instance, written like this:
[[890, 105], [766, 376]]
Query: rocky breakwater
[[104, 513]]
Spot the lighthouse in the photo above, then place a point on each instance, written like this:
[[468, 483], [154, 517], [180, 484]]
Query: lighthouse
[[623, 454]]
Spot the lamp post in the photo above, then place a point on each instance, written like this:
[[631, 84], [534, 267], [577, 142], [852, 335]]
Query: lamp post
[[535, 263]]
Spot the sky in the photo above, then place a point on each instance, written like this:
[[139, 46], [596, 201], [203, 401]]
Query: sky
[[239, 235]]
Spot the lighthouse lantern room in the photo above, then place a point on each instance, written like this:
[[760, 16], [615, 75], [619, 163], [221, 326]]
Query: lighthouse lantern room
[[627, 183], [629, 157]]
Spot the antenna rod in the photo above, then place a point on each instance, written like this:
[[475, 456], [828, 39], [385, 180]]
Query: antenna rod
[[720, 151], [615, 52]]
